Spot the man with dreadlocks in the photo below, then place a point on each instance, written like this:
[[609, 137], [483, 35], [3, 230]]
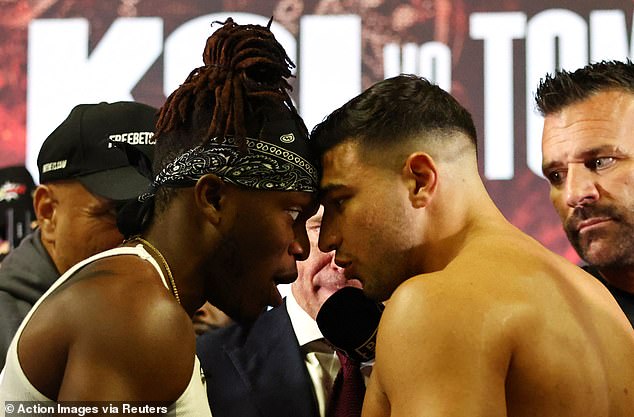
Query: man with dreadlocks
[[224, 222]]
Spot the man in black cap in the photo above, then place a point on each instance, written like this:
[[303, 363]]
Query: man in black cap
[[83, 178]]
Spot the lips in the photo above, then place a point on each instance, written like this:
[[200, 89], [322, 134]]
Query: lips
[[354, 282], [588, 224]]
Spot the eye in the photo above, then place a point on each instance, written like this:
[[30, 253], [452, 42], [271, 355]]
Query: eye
[[294, 212], [598, 164], [337, 202], [556, 177]]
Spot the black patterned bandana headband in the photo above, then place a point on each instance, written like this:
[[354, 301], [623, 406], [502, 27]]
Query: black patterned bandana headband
[[265, 166], [280, 161]]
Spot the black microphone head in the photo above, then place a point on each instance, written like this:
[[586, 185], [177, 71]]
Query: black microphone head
[[349, 320]]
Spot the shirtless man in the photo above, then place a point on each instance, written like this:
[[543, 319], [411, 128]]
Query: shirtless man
[[480, 320]]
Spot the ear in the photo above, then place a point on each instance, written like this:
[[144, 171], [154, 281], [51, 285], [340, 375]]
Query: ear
[[209, 193], [45, 204], [421, 175]]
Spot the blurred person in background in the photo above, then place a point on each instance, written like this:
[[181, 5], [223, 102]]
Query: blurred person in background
[[17, 218], [209, 317]]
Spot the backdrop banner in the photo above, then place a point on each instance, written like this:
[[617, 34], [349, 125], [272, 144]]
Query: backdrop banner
[[490, 54]]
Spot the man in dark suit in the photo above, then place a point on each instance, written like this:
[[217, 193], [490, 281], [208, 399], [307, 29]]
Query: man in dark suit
[[278, 366]]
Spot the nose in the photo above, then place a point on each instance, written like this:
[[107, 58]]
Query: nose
[[329, 240], [300, 247], [336, 265], [581, 189], [341, 264]]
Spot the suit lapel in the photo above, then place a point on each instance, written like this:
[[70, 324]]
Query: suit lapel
[[272, 367]]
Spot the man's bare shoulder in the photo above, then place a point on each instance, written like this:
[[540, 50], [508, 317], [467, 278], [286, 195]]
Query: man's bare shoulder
[[456, 303], [540, 330], [124, 286], [438, 347], [116, 311], [512, 280], [127, 294]]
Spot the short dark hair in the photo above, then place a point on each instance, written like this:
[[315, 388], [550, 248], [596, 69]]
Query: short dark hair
[[393, 110], [563, 88]]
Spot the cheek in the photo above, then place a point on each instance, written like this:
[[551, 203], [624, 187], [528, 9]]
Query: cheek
[[385, 218], [623, 187], [358, 224], [99, 236], [82, 240], [557, 199], [270, 241], [314, 267], [111, 238], [279, 237]]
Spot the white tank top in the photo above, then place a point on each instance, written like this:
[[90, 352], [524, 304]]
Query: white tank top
[[15, 386]]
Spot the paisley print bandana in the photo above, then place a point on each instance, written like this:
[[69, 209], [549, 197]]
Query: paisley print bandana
[[265, 166], [280, 160]]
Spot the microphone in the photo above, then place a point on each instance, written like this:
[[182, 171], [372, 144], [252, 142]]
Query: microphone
[[349, 321]]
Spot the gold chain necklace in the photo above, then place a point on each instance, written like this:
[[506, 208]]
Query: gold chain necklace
[[163, 261]]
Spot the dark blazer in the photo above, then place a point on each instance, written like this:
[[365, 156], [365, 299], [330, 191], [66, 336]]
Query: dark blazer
[[257, 372], [624, 299]]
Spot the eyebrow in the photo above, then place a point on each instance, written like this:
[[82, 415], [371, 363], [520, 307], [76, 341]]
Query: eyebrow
[[549, 166], [329, 189], [584, 154], [599, 150]]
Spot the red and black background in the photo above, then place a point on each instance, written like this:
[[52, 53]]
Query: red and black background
[[523, 198]]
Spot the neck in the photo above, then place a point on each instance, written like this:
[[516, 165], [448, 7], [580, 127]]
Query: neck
[[459, 218], [167, 271], [177, 238]]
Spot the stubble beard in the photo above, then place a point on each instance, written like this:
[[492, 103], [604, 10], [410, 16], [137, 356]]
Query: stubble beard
[[604, 249]]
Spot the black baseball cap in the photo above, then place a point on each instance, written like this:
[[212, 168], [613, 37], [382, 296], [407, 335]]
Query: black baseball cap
[[83, 148]]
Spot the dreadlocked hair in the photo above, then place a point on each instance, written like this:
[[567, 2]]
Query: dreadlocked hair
[[245, 70], [242, 85]]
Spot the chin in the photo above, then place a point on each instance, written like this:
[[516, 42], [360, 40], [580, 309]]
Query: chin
[[378, 294]]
